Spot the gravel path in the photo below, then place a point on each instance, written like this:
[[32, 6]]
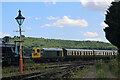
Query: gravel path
[[90, 74]]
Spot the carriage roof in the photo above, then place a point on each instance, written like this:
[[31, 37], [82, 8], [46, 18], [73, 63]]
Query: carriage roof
[[78, 50], [51, 49], [106, 50], [90, 50]]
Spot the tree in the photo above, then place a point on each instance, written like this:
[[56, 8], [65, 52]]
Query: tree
[[113, 31], [113, 21]]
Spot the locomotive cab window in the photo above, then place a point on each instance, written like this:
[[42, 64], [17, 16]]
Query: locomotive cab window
[[33, 50], [38, 50]]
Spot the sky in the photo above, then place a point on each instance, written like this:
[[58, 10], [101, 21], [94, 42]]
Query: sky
[[67, 20]]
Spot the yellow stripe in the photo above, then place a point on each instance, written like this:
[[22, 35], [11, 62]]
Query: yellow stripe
[[62, 52]]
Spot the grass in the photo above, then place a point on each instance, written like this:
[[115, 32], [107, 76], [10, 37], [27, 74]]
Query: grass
[[114, 67], [100, 71], [79, 73], [29, 66]]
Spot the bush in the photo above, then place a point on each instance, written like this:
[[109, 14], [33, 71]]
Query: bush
[[100, 70], [114, 67]]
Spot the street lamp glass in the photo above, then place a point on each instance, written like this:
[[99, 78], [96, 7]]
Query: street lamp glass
[[20, 18]]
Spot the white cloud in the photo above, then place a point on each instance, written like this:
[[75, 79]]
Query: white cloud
[[97, 5], [4, 34], [48, 3], [67, 22], [28, 28], [54, 2], [103, 24], [38, 18], [28, 17], [52, 18], [90, 34], [94, 39]]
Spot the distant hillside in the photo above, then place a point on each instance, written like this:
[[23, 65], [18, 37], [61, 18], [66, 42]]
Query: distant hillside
[[30, 42]]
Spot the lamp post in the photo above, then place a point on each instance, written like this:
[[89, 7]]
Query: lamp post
[[20, 20]]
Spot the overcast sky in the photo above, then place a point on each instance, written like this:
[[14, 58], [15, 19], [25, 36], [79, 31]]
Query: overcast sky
[[68, 20]]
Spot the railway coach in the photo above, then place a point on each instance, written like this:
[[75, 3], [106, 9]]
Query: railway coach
[[71, 54]]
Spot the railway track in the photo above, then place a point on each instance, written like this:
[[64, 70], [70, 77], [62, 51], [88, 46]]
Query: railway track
[[61, 71]]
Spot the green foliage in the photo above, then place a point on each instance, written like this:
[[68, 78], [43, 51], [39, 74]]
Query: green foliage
[[100, 73], [80, 73], [29, 66], [114, 66], [100, 70], [112, 19], [99, 64], [30, 43]]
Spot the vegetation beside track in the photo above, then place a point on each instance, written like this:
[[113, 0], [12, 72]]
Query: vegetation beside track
[[29, 66], [114, 67], [79, 73], [100, 70]]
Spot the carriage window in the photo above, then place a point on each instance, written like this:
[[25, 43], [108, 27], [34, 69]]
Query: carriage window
[[72, 52], [99, 53], [88, 53], [112, 53], [80, 53], [67, 53], [91, 53], [84, 53], [103, 53]]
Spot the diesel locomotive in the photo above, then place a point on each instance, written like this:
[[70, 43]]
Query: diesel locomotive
[[71, 54]]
